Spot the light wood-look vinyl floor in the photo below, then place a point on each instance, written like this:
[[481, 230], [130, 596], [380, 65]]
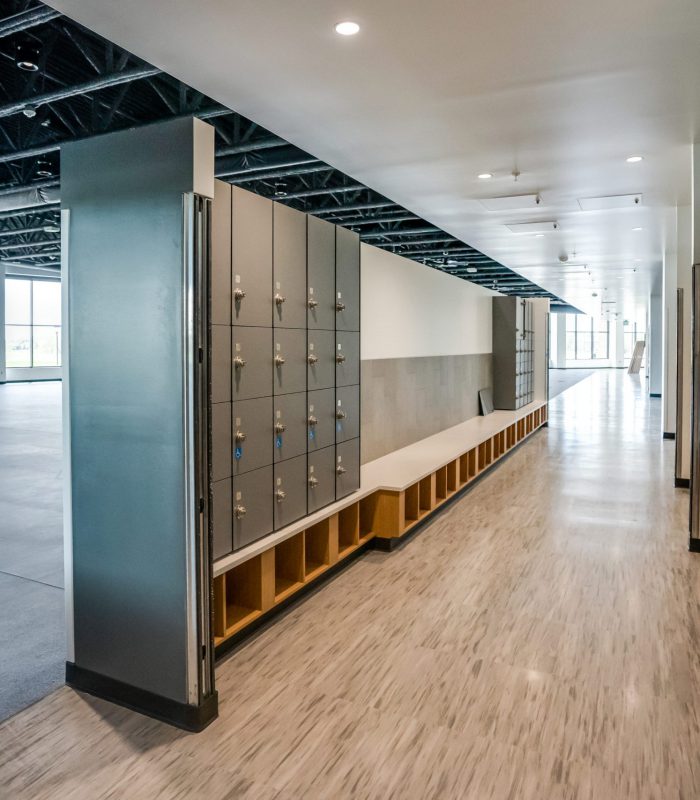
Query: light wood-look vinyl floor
[[538, 640]]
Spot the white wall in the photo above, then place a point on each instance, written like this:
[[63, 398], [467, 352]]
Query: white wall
[[409, 309]]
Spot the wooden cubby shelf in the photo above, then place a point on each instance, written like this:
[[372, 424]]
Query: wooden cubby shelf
[[254, 584]]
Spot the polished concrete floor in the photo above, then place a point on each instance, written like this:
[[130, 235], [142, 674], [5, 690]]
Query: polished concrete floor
[[32, 626], [538, 640], [562, 379]]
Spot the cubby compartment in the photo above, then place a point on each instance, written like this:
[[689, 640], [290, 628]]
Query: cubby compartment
[[317, 549], [510, 436], [441, 484], [496, 446], [247, 593], [349, 529], [412, 504], [289, 566], [451, 472], [464, 468], [219, 607], [473, 461], [484, 454], [426, 495], [521, 429]]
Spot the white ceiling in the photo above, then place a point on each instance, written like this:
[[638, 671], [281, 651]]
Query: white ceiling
[[430, 94]]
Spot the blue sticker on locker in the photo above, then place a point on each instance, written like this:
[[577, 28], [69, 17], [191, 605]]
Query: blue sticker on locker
[[311, 435], [278, 442], [238, 453], [338, 427]]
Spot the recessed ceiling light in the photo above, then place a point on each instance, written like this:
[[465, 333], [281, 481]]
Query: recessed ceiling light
[[471, 270], [539, 235], [347, 28], [637, 229], [484, 176], [635, 159]]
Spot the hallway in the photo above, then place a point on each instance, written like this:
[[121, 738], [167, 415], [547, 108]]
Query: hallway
[[538, 640]]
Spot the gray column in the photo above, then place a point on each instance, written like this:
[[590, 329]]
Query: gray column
[[655, 344], [3, 355]]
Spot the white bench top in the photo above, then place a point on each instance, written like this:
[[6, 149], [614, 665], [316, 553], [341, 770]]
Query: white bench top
[[394, 472]]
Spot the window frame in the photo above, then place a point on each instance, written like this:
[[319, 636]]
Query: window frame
[[31, 324]]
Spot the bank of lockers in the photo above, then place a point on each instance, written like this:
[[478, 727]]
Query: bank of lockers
[[513, 348], [285, 366]]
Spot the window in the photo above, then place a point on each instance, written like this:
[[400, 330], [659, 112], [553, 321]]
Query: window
[[587, 338], [32, 323]]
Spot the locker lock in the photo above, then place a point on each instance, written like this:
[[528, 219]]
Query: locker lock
[[340, 470], [280, 427], [238, 295], [239, 362], [239, 511], [340, 414], [313, 420], [340, 306], [240, 436], [312, 359], [313, 482], [340, 359], [279, 299], [279, 360], [312, 303], [280, 494]]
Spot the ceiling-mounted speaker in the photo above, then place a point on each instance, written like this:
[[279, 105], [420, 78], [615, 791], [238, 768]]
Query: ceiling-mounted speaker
[[610, 201], [511, 202]]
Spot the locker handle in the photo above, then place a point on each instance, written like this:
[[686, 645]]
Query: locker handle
[[312, 359], [279, 360], [239, 362], [240, 436], [313, 420], [280, 495], [239, 511], [279, 299], [340, 359], [312, 303], [238, 295], [313, 482], [280, 427], [340, 470], [340, 414], [339, 306]]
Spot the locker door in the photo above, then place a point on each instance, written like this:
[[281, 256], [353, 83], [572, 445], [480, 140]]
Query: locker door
[[321, 479], [221, 518], [252, 506], [221, 254], [252, 432], [321, 359], [321, 275], [321, 419], [289, 267], [251, 258], [290, 360], [290, 426], [221, 442], [347, 468], [347, 413], [290, 491], [347, 358], [252, 362], [347, 280], [220, 363]]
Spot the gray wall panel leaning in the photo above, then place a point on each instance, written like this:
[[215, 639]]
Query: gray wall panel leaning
[[130, 415], [513, 352], [406, 399]]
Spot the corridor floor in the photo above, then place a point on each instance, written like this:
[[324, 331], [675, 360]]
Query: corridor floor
[[538, 640]]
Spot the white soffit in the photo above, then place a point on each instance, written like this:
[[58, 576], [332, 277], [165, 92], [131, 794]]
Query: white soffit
[[610, 201], [511, 202]]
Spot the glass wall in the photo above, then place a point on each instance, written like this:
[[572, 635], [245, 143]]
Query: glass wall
[[32, 322], [587, 338]]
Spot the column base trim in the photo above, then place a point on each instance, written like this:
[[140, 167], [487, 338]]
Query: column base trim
[[181, 715], [694, 545], [654, 394], [668, 435], [682, 483]]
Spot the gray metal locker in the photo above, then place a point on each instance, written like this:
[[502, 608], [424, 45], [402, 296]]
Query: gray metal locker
[[289, 267], [290, 360], [321, 275], [252, 434], [220, 363], [321, 359], [321, 419], [347, 468], [251, 257], [252, 362], [321, 479], [347, 413], [290, 426], [347, 280], [347, 358], [221, 446], [221, 254], [253, 505], [290, 491], [221, 518]]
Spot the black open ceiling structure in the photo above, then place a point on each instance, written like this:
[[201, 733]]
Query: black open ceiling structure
[[60, 82]]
